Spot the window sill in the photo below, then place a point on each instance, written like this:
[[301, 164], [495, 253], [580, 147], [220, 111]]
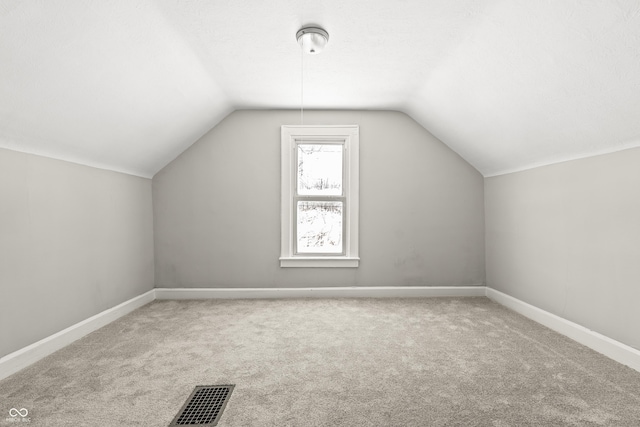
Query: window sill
[[313, 262]]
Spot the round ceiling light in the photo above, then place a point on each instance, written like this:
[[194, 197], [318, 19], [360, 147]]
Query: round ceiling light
[[312, 39]]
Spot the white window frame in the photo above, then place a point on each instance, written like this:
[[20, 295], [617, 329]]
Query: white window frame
[[348, 136]]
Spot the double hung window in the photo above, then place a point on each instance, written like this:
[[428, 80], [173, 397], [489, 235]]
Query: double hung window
[[319, 196]]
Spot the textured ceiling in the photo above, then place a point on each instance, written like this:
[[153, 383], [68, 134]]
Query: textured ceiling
[[128, 85]]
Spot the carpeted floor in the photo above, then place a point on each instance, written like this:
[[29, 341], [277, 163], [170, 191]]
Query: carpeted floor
[[322, 362]]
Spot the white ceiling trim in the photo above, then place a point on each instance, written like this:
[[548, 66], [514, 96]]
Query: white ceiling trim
[[569, 158]]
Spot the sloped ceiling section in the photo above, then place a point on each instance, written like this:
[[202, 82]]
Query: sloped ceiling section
[[509, 85], [109, 84], [538, 82]]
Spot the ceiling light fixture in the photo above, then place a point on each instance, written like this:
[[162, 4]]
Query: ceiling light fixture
[[312, 39]]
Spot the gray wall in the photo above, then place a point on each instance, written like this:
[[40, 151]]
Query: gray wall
[[566, 238], [217, 208], [74, 241]]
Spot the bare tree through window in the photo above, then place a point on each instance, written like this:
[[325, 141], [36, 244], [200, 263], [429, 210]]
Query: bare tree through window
[[319, 218]]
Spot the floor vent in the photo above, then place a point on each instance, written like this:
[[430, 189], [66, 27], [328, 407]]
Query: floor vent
[[204, 407]]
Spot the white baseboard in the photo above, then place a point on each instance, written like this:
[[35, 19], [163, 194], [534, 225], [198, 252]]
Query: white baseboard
[[24, 357], [611, 348], [329, 292]]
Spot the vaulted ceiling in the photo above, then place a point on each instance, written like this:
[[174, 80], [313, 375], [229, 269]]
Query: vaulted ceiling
[[508, 84]]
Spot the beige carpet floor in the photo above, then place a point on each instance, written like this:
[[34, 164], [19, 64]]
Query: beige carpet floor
[[328, 362]]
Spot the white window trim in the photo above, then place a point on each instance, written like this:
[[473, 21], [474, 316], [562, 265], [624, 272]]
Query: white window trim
[[290, 134]]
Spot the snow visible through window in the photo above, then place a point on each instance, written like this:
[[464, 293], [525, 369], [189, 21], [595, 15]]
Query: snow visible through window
[[320, 216], [319, 227]]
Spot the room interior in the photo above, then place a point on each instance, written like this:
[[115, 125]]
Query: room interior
[[140, 176]]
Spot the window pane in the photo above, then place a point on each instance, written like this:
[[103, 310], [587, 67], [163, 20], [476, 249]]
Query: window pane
[[320, 169], [319, 227]]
